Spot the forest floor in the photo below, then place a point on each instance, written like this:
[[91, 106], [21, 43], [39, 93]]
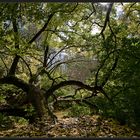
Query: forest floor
[[85, 126]]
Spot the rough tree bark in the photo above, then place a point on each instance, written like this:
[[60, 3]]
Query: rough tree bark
[[34, 94]]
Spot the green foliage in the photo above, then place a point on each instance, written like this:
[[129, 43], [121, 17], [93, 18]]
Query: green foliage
[[72, 26], [123, 84], [5, 122], [77, 111], [21, 121], [30, 110], [9, 122], [65, 91]]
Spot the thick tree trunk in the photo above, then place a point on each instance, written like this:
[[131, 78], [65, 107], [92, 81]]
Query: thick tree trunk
[[34, 94], [36, 97]]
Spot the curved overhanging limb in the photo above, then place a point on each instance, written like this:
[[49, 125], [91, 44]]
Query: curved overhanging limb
[[15, 81], [94, 90], [67, 83]]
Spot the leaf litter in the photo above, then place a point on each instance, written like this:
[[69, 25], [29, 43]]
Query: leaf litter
[[84, 126]]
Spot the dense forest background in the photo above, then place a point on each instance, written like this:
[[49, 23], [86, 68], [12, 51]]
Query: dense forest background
[[81, 58]]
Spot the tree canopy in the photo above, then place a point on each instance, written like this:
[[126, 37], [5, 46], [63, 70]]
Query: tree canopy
[[86, 52]]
